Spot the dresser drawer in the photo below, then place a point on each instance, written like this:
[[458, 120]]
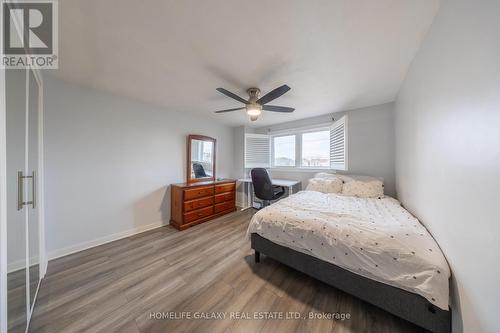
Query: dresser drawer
[[192, 204], [198, 214], [225, 188], [198, 203], [229, 196], [198, 192], [223, 206]]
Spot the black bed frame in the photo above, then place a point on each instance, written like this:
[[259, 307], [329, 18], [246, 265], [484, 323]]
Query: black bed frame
[[404, 304]]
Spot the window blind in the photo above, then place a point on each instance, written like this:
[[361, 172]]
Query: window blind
[[338, 144], [257, 151]]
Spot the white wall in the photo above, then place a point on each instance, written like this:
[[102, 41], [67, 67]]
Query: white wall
[[448, 152], [370, 142], [109, 161], [239, 163]]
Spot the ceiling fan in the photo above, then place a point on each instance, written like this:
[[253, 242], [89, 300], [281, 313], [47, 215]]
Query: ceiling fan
[[255, 105]]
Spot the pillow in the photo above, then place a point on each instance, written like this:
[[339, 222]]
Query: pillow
[[325, 185], [325, 175], [364, 189], [346, 178]]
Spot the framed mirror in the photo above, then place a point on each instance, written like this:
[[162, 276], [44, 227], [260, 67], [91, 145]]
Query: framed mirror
[[200, 158]]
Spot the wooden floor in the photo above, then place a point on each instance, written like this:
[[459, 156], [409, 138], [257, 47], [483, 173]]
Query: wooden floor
[[133, 284]]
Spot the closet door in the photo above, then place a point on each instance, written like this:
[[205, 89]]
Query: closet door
[[17, 300], [32, 158]]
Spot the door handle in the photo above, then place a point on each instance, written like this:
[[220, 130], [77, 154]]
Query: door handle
[[20, 190], [33, 189]]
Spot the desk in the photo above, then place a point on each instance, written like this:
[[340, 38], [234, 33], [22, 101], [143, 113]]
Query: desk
[[278, 182]]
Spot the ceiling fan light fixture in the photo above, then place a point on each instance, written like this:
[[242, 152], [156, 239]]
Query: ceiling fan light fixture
[[254, 110], [255, 104]]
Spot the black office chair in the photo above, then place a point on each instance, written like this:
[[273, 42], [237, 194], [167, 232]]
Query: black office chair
[[263, 187], [199, 171]]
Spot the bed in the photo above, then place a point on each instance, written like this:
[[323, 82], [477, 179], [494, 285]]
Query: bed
[[371, 248]]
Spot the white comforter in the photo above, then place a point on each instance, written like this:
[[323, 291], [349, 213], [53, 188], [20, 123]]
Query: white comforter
[[376, 238]]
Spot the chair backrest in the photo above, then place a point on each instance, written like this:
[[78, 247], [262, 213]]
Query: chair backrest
[[262, 185], [199, 171]]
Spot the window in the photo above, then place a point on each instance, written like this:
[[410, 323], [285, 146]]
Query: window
[[257, 151], [316, 149], [207, 152], [320, 147], [284, 151], [338, 144]]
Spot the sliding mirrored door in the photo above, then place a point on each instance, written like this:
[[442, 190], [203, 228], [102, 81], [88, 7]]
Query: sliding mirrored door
[[17, 304]]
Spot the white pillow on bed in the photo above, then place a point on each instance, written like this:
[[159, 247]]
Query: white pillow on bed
[[364, 189], [326, 175], [325, 185]]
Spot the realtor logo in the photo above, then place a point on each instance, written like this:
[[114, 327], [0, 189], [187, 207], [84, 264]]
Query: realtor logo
[[29, 33]]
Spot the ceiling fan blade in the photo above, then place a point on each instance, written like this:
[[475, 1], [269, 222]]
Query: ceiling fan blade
[[229, 110], [275, 108], [273, 94], [230, 94]]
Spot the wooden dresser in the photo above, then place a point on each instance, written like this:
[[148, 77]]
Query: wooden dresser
[[194, 203]]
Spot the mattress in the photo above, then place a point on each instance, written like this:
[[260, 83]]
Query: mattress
[[375, 238]]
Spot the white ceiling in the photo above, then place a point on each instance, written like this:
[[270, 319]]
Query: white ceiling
[[335, 55]]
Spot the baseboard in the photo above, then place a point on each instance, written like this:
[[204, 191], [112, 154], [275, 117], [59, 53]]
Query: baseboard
[[18, 264], [103, 240]]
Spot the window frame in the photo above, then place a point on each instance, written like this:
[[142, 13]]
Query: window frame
[[274, 166], [325, 129], [298, 132]]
